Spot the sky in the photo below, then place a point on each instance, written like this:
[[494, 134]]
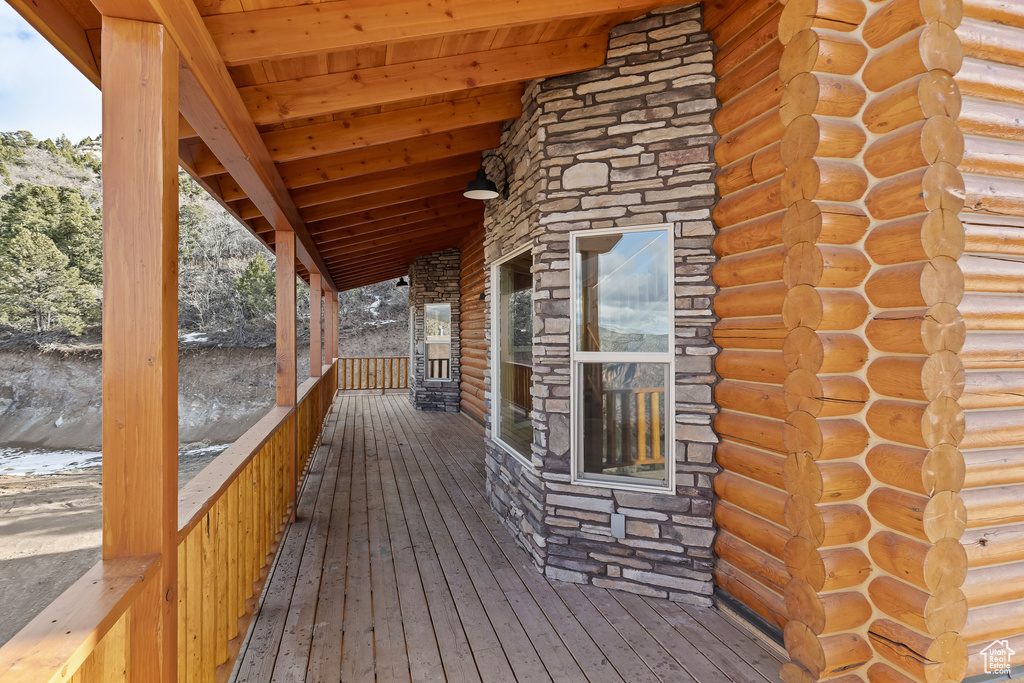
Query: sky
[[39, 90]]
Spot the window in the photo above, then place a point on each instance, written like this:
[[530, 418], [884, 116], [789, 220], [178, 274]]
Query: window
[[622, 357], [437, 321], [513, 356]]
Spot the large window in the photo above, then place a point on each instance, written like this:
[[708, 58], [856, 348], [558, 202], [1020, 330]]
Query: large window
[[437, 319], [513, 355], [622, 357]]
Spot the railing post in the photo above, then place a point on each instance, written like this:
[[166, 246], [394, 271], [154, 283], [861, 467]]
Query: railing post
[[284, 248], [140, 327], [332, 325], [316, 359]]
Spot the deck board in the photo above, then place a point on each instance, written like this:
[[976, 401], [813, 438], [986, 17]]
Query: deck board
[[396, 569]]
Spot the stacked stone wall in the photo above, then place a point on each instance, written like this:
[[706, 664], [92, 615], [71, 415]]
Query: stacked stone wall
[[434, 279]]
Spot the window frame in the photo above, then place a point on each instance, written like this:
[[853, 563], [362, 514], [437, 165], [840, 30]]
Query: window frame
[[427, 343], [495, 361], [577, 358]]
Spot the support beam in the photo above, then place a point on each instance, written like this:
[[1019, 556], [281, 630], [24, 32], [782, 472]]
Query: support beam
[[62, 30], [140, 324], [395, 226], [405, 210], [210, 102], [331, 26], [316, 358], [380, 199], [287, 370], [375, 86], [331, 324]]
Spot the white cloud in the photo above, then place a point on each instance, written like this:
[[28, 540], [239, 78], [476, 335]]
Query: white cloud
[[40, 91]]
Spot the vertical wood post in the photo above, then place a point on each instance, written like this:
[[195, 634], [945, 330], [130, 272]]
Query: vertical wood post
[[331, 325], [287, 366], [140, 325], [316, 359]]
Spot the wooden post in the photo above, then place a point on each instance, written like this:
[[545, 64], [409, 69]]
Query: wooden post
[[331, 324], [287, 366], [140, 325], [316, 359]]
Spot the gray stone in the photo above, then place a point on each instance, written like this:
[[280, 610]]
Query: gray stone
[[585, 175]]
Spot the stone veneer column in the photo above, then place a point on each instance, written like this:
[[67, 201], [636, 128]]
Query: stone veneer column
[[627, 144], [434, 279]]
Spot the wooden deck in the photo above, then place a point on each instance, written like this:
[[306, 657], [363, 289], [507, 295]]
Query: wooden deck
[[397, 569]]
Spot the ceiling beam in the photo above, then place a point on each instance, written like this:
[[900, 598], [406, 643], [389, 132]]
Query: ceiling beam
[[403, 237], [360, 218], [284, 32], [62, 30], [375, 86], [211, 103], [380, 199], [410, 221]]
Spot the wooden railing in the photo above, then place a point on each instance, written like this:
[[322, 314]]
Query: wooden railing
[[230, 520], [373, 373], [627, 409], [438, 368]]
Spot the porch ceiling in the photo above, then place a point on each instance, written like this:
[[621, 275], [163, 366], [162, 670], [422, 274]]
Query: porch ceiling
[[355, 122]]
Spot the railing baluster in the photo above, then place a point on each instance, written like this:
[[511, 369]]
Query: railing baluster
[[641, 427]]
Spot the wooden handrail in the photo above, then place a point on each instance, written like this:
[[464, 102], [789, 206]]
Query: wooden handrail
[[54, 645], [373, 372]]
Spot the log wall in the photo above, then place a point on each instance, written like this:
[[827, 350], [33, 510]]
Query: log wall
[[991, 82], [473, 326], [750, 511]]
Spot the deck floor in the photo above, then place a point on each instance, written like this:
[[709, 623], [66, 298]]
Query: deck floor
[[397, 569]]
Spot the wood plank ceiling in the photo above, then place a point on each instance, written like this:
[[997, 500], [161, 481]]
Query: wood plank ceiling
[[373, 113]]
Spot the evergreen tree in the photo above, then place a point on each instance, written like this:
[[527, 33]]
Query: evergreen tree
[[255, 287]]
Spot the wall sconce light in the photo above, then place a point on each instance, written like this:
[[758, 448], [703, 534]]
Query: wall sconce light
[[401, 282], [482, 187]]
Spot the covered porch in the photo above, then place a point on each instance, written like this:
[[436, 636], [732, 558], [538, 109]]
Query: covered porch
[[397, 568]]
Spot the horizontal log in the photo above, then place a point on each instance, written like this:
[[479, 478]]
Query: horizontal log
[[883, 673], [756, 168], [992, 156], [826, 569], [821, 94], [929, 566], [760, 533], [824, 309], [994, 196], [824, 266], [751, 366], [741, 206], [761, 232], [939, 186], [994, 467], [753, 70], [992, 428], [827, 525], [826, 137], [823, 180], [752, 593], [899, 17], [994, 545], [996, 11], [751, 104], [917, 238], [761, 566], [751, 300], [917, 145], [918, 378], [993, 389], [823, 223], [751, 463], [825, 395], [989, 585], [826, 481], [826, 613], [992, 350], [933, 47], [943, 658], [835, 15], [824, 439], [910, 285], [759, 432], [993, 505], [749, 138], [984, 312], [988, 623], [927, 519], [823, 352], [922, 471], [759, 499], [918, 424], [922, 97], [976, 661], [1002, 120], [766, 400], [811, 50], [935, 612], [991, 81], [825, 656], [750, 333], [927, 330]]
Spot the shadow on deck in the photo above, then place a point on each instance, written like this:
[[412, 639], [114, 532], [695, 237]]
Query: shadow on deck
[[396, 568]]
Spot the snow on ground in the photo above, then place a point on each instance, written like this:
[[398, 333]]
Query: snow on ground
[[15, 462], [194, 338]]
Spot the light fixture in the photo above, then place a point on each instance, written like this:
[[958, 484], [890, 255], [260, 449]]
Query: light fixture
[[401, 282], [481, 187]]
